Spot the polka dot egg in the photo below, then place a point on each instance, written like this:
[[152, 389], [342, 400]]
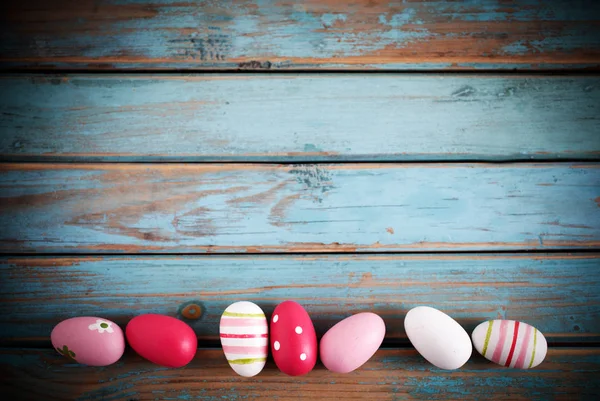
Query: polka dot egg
[[293, 339]]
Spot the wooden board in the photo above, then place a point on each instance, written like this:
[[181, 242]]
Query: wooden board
[[243, 34], [300, 118], [545, 290], [392, 374], [173, 208]]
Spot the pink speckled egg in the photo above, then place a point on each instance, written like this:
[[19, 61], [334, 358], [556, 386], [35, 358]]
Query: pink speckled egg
[[352, 342], [90, 341]]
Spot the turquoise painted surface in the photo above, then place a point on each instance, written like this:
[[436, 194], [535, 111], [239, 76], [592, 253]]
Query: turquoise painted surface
[[313, 34], [131, 208], [545, 290], [389, 375], [347, 208], [298, 117]]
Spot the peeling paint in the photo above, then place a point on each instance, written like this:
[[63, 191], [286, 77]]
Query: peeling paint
[[182, 118], [231, 34]]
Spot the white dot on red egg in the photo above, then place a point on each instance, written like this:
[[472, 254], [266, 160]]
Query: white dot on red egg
[[276, 345], [275, 318], [298, 330], [303, 357]]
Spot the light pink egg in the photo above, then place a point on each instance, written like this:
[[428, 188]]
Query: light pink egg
[[352, 342], [90, 341]]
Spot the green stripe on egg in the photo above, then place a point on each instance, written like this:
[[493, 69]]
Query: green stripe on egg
[[237, 314], [487, 337], [246, 361]]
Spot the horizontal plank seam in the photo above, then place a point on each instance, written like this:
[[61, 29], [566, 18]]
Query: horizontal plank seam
[[360, 160], [56, 161], [553, 251], [591, 71]]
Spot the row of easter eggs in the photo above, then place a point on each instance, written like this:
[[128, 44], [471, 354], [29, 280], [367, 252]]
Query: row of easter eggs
[[246, 338]]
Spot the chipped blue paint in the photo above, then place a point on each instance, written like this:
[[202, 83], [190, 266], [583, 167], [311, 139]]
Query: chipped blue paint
[[408, 16], [167, 34], [521, 11], [194, 208], [553, 43], [471, 288], [329, 19], [517, 47], [358, 117], [291, 65]]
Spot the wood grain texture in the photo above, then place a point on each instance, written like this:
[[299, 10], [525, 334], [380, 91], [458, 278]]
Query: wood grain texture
[[301, 118], [174, 208], [243, 34], [557, 293], [392, 374]]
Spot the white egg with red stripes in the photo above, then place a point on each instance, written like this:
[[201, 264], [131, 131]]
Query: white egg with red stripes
[[510, 343], [244, 336]]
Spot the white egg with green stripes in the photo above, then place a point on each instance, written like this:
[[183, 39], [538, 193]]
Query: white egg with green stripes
[[244, 336]]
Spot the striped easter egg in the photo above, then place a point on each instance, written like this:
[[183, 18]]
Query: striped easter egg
[[245, 338], [510, 343]]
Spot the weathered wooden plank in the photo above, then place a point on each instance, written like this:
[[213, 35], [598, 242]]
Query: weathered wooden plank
[[392, 374], [111, 34], [298, 117], [545, 290], [297, 208]]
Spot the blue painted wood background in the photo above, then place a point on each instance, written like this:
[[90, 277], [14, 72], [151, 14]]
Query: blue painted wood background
[[298, 208], [282, 117], [471, 287], [313, 34], [155, 156]]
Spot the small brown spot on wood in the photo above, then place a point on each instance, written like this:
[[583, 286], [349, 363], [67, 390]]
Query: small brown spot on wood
[[390, 230], [149, 237], [255, 65], [597, 200], [366, 280], [191, 310]]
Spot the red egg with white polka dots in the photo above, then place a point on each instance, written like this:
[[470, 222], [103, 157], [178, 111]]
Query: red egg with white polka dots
[[293, 339]]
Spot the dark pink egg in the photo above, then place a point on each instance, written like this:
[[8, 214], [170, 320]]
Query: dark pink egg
[[162, 339], [293, 339]]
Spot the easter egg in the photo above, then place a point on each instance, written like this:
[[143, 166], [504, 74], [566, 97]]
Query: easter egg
[[352, 342], [162, 339], [245, 338], [90, 341], [438, 337], [510, 343], [293, 339]]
